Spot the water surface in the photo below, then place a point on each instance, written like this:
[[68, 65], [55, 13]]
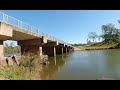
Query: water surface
[[84, 65]]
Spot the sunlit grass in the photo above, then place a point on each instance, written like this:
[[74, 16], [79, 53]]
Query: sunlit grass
[[28, 69]]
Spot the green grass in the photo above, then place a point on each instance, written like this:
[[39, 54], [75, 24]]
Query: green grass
[[14, 73]]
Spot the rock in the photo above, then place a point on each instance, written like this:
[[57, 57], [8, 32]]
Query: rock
[[16, 59], [44, 57], [46, 63], [4, 61], [10, 61]]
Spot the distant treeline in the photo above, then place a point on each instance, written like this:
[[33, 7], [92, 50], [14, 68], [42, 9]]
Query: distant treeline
[[11, 49], [110, 34], [79, 44]]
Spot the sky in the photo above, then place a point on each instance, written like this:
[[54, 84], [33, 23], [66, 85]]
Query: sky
[[71, 26]]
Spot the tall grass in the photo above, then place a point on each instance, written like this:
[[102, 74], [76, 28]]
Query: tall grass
[[28, 69]]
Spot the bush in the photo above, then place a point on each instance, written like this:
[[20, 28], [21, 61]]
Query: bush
[[28, 69]]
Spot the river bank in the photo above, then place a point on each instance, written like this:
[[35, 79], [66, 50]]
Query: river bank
[[99, 46], [22, 67]]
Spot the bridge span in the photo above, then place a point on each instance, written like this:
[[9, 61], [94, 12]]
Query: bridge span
[[30, 38]]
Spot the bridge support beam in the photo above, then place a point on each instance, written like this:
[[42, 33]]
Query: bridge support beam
[[1, 49], [59, 50], [68, 49], [31, 46], [65, 49], [62, 50], [50, 50], [36, 49]]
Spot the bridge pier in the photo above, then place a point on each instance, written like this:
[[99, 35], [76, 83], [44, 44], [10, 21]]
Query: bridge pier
[[49, 50], [62, 50], [1, 49], [36, 49], [68, 49], [54, 52], [65, 50], [31, 42], [31, 46], [59, 50]]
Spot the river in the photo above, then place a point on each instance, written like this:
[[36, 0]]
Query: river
[[83, 65]]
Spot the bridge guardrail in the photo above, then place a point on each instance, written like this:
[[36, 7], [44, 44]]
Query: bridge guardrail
[[20, 24]]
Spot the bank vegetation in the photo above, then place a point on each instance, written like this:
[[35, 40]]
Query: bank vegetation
[[109, 39]]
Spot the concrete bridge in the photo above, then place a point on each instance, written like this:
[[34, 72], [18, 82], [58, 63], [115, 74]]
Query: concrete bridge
[[29, 38]]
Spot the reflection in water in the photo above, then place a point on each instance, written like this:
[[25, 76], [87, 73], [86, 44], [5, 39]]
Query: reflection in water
[[83, 65], [59, 68], [62, 56], [56, 64], [55, 60]]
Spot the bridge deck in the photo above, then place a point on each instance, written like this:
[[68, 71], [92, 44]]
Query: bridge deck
[[23, 31]]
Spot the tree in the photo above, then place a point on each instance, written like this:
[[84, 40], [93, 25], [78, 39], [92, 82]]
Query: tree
[[12, 49], [110, 33], [99, 37], [88, 41], [92, 35]]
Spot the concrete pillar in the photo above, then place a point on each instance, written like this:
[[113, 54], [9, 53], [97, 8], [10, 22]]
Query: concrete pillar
[[49, 50], [36, 49], [1, 49], [66, 50], [54, 51], [40, 49], [62, 50], [59, 50]]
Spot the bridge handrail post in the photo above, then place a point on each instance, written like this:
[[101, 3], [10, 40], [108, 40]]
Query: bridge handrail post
[[5, 18], [18, 23]]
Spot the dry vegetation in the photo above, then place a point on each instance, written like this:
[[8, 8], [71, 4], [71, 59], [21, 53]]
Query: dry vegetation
[[28, 69]]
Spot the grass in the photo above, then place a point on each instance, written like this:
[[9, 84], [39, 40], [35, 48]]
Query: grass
[[98, 46], [28, 69]]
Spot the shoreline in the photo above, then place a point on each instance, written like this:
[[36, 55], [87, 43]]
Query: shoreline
[[94, 48]]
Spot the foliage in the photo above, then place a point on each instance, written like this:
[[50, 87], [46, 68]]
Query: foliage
[[92, 35], [29, 69], [110, 33], [11, 49]]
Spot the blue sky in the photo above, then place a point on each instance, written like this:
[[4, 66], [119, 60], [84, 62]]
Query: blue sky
[[71, 26]]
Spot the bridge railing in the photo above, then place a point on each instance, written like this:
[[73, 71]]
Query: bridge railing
[[18, 23]]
